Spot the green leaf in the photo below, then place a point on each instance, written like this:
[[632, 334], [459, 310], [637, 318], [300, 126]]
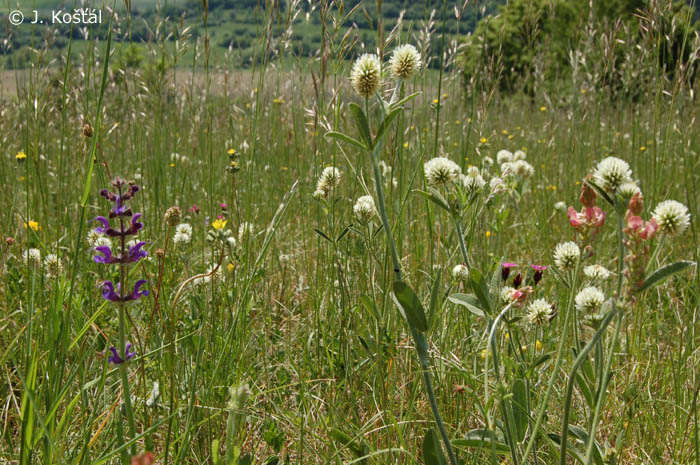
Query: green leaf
[[495, 286], [468, 301], [480, 289], [435, 197], [345, 231], [385, 125], [483, 439], [663, 273], [361, 123], [432, 451], [348, 139], [519, 402], [405, 100], [323, 235], [600, 191], [410, 304], [434, 298]]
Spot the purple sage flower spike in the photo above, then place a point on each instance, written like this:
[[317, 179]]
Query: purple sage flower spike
[[116, 358]]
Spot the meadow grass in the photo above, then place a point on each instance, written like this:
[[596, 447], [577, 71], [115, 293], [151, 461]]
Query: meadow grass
[[285, 343]]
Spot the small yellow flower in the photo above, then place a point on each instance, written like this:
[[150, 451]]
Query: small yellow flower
[[21, 156], [412, 127], [456, 121], [505, 132], [583, 91], [247, 106], [543, 108], [469, 120], [510, 137], [231, 151], [33, 225], [538, 345], [230, 267], [444, 95], [523, 348], [455, 144], [483, 354], [507, 336], [219, 224], [488, 234], [578, 183], [642, 148], [483, 140], [172, 165], [21, 178], [405, 145], [436, 101], [234, 164]]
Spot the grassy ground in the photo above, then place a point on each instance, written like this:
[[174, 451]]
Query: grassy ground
[[300, 310]]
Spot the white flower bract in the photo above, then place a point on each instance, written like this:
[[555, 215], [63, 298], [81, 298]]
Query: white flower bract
[[596, 273], [366, 75], [460, 272], [590, 299], [329, 179], [611, 173], [364, 208], [405, 61], [441, 170], [672, 217], [539, 312], [504, 156], [566, 255]]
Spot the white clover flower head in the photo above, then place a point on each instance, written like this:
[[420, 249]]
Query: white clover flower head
[[52, 266], [589, 299], [364, 208], [508, 169], [523, 168], [329, 179], [508, 295], [366, 75], [519, 155], [405, 61], [497, 185], [284, 258], [596, 273], [318, 194], [440, 171], [231, 241], [504, 156], [471, 183], [628, 190], [488, 162], [92, 237], [472, 171], [181, 238], [611, 173], [103, 241], [566, 255], [560, 206], [245, 229], [32, 256], [672, 217], [386, 169], [183, 228], [460, 273], [539, 312]]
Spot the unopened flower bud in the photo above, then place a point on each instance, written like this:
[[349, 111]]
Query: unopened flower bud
[[10, 240], [87, 130], [587, 198], [173, 216], [637, 204]]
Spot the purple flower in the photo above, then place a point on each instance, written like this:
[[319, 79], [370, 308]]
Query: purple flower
[[539, 271], [505, 269], [134, 255], [109, 293], [111, 232], [115, 358]]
